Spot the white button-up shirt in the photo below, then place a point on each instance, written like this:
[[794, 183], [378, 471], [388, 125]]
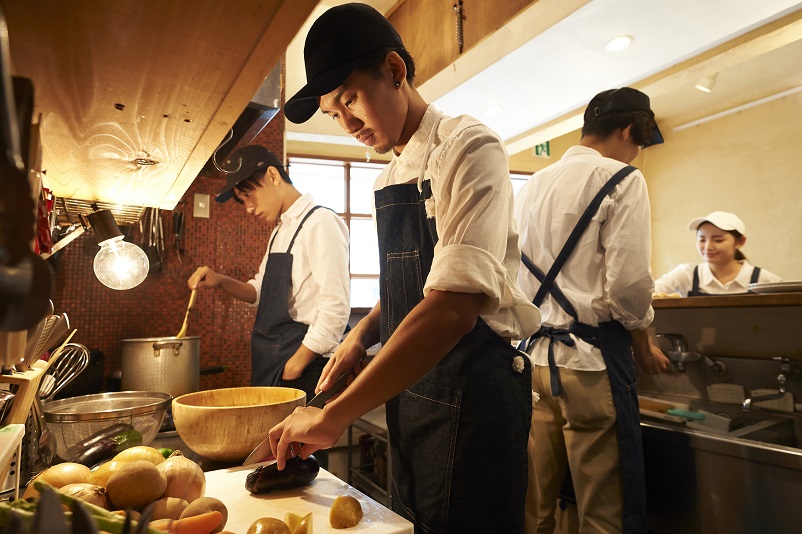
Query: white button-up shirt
[[608, 276], [680, 280], [477, 247], [320, 294]]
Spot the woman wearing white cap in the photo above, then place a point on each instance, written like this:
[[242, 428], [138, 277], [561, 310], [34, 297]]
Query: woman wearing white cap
[[719, 238]]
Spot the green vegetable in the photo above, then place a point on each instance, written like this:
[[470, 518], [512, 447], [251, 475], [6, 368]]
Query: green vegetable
[[129, 438], [166, 452]]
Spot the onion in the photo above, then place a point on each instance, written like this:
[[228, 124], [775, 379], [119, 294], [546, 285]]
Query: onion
[[140, 452], [100, 476], [185, 478], [59, 476], [88, 493]]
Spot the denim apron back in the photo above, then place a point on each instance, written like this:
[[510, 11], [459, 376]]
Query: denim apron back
[[458, 435], [615, 344], [275, 336]]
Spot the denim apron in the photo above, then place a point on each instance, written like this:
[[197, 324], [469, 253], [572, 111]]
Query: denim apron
[[696, 292], [458, 435], [275, 336], [615, 344]]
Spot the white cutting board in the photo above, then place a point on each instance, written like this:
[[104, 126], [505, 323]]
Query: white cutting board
[[244, 508]]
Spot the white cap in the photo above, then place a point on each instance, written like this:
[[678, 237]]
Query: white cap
[[721, 219]]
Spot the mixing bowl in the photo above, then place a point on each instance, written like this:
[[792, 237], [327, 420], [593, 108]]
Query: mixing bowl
[[227, 424]]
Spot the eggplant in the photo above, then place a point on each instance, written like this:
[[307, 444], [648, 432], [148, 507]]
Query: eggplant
[[108, 432], [296, 473], [102, 450]]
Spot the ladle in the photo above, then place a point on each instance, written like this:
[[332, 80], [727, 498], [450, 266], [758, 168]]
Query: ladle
[[183, 331]]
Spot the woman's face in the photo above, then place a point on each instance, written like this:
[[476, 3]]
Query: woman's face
[[717, 246]]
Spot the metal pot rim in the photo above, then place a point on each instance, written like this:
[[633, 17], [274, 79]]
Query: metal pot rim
[[152, 339]]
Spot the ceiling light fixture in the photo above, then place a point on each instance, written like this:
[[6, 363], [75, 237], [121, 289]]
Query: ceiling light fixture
[[706, 83], [618, 43], [119, 264]]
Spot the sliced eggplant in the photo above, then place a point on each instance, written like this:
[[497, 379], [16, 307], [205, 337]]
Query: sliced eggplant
[[296, 473]]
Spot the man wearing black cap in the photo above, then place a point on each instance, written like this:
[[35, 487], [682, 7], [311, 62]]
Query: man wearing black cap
[[457, 393], [301, 290], [585, 222]]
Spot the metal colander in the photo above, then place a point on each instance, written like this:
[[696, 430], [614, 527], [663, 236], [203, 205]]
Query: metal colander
[[73, 420]]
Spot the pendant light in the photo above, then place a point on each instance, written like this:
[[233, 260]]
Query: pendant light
[[119, 264]]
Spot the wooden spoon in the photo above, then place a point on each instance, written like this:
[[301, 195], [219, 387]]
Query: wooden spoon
[[183, 331]]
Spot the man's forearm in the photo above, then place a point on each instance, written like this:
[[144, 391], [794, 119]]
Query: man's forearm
[[239, 290]]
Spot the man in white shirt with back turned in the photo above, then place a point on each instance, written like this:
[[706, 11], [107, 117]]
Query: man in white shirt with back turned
[[585, 240]]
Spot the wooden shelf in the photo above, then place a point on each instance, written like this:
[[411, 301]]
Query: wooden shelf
[[731, 301]]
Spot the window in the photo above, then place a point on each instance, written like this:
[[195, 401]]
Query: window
[[347, 188]]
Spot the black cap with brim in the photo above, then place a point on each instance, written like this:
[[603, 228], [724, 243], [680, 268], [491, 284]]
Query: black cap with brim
[[243, 164], [336, 43], [624, 100]]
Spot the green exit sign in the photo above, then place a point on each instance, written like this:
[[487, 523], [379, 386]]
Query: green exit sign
[[542, 150]]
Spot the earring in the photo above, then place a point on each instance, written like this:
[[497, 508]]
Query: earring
[[397, 85]]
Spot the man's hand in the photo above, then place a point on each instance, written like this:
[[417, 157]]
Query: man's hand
[[651, 361], [204, 277], [299, 361]]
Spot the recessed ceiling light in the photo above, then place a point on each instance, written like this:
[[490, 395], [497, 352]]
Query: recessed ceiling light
[[706, 84], [618, 43], [493, 111]]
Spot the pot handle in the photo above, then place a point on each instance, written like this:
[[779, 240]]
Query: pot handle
[[159, 345]]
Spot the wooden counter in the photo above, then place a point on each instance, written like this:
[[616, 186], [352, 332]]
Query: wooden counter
[[730, 301]]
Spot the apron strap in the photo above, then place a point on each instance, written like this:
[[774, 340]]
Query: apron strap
[[755, 275], [297, 230], [576, 233], [695, 284], [556, 292]]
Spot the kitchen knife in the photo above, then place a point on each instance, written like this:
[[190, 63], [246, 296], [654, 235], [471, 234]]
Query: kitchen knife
[[263, 450]]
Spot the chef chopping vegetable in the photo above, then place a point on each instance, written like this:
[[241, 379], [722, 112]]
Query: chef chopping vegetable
[[458, 394]]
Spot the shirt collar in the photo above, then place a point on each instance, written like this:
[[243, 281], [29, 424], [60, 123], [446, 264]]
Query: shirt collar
[[742, 280], [417, 142], [579, 150], [298, 209]]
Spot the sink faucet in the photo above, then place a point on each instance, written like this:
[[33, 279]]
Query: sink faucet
[[679, 353], [786, 370]]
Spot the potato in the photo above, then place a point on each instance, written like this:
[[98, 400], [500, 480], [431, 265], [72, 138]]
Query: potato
[[168, 508], [298, 524], [268, 525], [345, 512], [207, 504], [135, 485]]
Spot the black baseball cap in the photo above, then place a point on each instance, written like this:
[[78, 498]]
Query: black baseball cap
[[243, 163], [623, 100], [337, 41]]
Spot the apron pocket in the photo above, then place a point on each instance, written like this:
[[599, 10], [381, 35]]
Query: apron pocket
[[425, 444], [403, 287]]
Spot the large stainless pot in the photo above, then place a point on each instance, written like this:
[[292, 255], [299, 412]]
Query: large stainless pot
[[167, 364]]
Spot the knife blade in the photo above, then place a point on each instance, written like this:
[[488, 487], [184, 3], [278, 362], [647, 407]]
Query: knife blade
[[263, 450]]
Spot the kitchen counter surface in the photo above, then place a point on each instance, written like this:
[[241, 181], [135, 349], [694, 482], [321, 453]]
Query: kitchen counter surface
[[226, 481]]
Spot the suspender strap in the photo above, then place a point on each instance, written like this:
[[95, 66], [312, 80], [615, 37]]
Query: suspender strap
[[577, 232]]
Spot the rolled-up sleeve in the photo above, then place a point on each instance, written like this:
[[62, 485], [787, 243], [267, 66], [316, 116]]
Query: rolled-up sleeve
[[626, 237], [473, 206]]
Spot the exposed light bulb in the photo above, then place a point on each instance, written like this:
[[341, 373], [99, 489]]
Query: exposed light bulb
[[618, 43], [706, 83], [120, 265]]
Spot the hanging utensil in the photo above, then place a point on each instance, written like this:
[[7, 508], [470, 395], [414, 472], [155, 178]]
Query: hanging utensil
[[183, 331], [74, 359], [178, 232]]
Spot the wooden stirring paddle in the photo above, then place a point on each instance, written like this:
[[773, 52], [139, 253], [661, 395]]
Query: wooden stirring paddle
[[183, 331]]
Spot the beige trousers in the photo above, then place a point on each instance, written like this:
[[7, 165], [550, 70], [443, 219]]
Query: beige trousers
[[576, 430]]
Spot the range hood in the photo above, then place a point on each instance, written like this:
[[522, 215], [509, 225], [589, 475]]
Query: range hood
[[136, 95]]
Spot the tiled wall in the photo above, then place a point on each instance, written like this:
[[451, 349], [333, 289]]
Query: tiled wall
[[229, 241]]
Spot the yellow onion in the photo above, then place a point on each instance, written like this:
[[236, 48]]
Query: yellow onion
[[100, 476], [88, 493], [185, 478], [140, 452], [59, 476]]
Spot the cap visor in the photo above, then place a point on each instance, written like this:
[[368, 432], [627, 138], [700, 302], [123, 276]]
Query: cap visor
[[303, 104], [224, 195], [657, 137]]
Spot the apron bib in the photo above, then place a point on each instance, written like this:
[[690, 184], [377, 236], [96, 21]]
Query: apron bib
[[458, 435], [612, 339], [696, 292], [275, 336]]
